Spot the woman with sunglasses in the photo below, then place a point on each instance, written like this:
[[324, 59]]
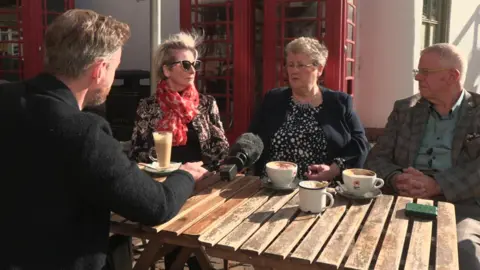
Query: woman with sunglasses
[[193, 118]]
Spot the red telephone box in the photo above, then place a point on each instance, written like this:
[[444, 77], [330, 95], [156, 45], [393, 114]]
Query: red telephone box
[[22, 24], [245, 42]]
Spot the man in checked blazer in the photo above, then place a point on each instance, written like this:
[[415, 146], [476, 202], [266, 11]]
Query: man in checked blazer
[[431, 145]]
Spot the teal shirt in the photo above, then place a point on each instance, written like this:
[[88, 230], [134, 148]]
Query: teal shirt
[[435, 151]]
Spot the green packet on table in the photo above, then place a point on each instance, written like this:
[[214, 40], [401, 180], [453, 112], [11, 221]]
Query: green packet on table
[[421, 211]]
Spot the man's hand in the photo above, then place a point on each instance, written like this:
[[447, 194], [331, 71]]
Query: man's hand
[[322, 172], [196, 170], [414, 183]]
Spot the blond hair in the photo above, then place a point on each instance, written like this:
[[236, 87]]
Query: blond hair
[[78, 38], [450, 56], [165, 53], [316, 50]]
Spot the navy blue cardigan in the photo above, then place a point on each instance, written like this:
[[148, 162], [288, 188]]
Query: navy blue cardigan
[[344, 132]]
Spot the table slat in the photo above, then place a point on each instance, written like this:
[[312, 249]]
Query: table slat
[[229, 206], [226, 224], [267, 233], [248, 227], [392, 246], [211, 204], [314, 241], [418, 255], [202, 198], [342, 238], [289, 238], [364, 248], [447, 247]]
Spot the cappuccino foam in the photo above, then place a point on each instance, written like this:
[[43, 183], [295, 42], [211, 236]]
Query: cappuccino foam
[[358, 172]]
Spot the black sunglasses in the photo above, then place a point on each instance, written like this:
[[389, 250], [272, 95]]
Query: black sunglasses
[[187, 65]]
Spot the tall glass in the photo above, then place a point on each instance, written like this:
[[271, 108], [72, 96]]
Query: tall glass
[[163, 148]]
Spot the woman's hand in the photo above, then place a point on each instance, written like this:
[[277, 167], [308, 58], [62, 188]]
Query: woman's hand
[[322, 172]]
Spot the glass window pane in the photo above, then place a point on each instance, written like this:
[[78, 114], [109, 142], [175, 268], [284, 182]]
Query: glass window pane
[[8, 20], [426, 4], [422, 35], [55, 5], [434, 10], [50, 18], [350, 12], [301, 10], [209, 14], [433, 34], [350, 31], [349, 68], [349, 50], [295, 29], [323, 7]]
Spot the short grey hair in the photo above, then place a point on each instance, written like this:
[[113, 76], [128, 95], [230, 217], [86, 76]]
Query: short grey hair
[[316, 50], [450, 56], [165, 53], [78, 38]]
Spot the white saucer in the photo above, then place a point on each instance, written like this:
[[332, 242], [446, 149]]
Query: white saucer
[[153, 168], [267, 183], [369, 195]]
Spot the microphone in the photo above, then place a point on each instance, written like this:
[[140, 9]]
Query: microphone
[[243, 154]]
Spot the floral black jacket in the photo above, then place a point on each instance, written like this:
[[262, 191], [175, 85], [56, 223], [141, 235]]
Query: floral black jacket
[[207, 124]]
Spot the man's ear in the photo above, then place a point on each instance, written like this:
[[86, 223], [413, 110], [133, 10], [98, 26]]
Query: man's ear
[[455, 75], [98, 71]]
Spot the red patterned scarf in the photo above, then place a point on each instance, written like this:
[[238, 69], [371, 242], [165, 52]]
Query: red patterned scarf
[[178, 110]]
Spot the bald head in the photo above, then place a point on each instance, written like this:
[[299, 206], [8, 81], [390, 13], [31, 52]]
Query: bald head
[[450, 57]]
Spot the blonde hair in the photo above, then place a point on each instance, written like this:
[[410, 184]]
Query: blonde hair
[[450, 56], [78, 38], [165, 53], [316, 50]]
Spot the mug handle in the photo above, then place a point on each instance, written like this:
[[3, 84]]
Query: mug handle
[[330, 196], [152, 157], [378, 183]]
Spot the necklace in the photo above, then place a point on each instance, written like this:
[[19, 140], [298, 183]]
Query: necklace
[[313, 102]]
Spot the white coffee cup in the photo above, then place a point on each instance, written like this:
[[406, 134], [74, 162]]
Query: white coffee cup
[[360, 181], [313, 196], [281, 173]]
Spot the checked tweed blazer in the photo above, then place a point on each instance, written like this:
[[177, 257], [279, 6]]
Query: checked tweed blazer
[[398, 146]]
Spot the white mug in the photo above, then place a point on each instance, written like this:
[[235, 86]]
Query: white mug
[[281, 173], [360, 181], [313, 196]]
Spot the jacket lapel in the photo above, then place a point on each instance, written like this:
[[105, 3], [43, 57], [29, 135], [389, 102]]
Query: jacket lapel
[[463, 122], [420, 114]]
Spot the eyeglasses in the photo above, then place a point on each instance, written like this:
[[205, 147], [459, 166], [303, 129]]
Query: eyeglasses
[[187, 65], [299, 66], [427, 71]]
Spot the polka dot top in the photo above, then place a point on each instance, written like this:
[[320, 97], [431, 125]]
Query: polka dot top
[[300, 139]]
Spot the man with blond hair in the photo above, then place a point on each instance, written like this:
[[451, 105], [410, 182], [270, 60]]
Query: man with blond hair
[[63, 172], [431, 145]]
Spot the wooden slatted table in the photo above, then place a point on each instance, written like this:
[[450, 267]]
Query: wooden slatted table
[[241, 221]]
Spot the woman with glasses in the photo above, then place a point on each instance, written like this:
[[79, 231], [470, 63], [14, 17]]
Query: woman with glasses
[[308, 124], [193, 118]]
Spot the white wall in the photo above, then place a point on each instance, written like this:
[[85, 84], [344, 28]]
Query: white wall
[[464, 32], [136, 53], [386, 55]]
